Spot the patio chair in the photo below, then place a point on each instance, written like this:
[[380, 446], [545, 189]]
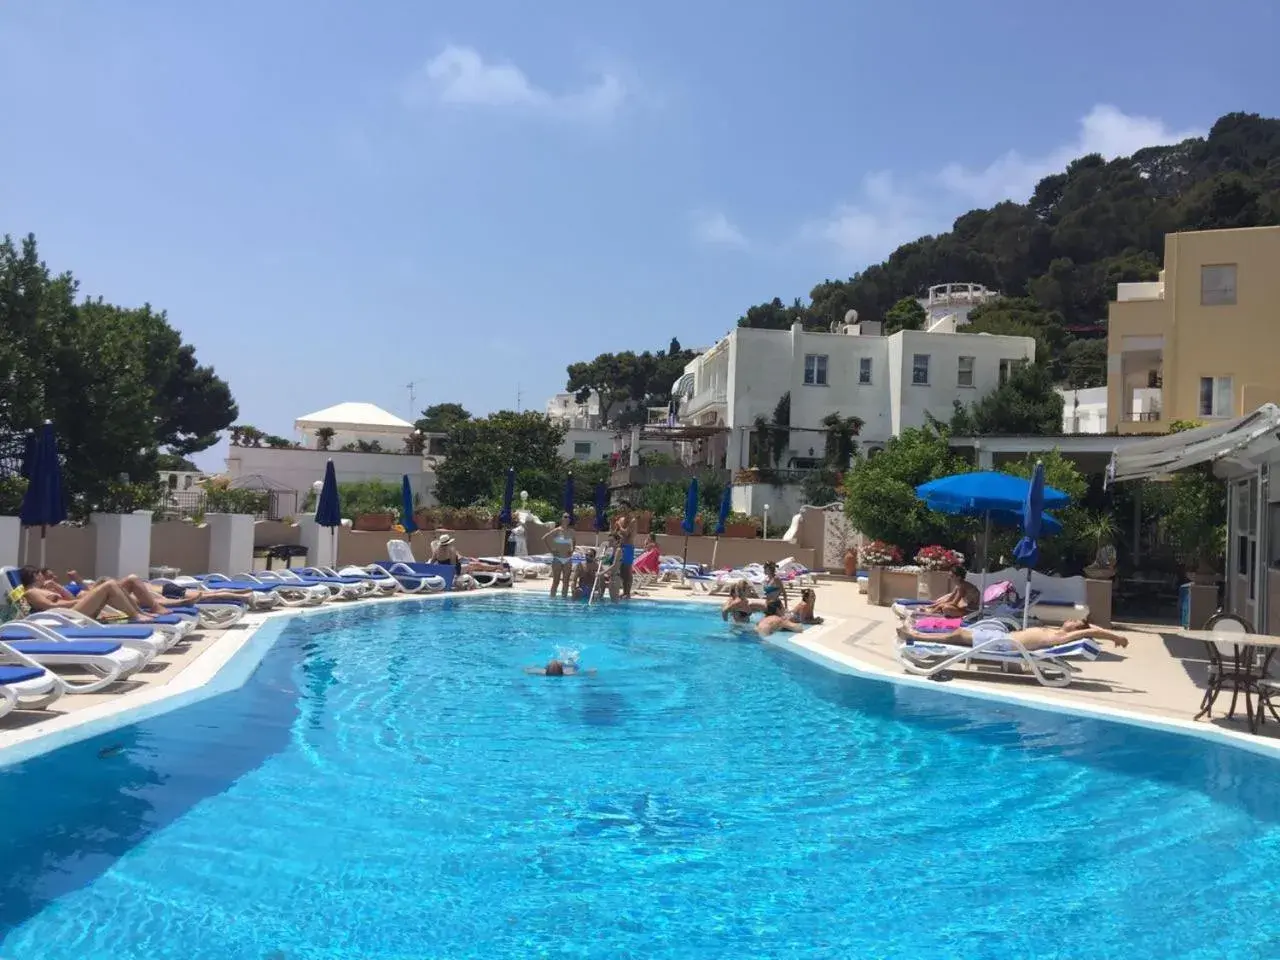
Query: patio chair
[[1230, 664]]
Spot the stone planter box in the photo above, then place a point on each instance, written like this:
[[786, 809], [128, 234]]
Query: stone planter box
[[374, 522], [745, 531], [673, 528], [932, 583], [885, 585]]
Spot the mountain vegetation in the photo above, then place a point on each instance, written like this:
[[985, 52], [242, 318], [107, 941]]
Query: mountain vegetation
[[1058, 256]]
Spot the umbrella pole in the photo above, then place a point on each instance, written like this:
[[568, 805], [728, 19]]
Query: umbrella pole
[[986, 547], [333, 547], [714, 547], [43, 530], [1026, 600]]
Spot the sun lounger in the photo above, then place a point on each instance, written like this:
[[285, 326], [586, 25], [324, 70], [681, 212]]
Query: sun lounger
[[374, 582], [408, 579], [146, 643], [1048, 665], [106, 659], [288, 594], [27, 688], [340, 588]]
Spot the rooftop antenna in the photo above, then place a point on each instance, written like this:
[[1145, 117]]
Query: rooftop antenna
[[413, 407]]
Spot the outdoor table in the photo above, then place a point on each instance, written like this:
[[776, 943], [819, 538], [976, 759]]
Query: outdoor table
[[1243, 671]]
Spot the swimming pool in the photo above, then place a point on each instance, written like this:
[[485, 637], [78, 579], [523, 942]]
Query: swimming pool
[[390, 783]]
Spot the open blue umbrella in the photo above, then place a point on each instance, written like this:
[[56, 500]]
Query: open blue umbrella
[[508, 494], [406, 507], [42, 503], [602, 508], [329, 508], [568, 496], [1027, 552], [1000, 498]]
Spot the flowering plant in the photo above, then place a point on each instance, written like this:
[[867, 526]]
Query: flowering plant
[[877, 553], [939, 558]]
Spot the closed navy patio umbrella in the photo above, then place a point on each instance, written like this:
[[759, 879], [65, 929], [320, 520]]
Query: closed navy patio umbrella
[[406, 507], [1027, 552], [602, 508], [42, 504], [329, 508], [689, 520], [726, 505]]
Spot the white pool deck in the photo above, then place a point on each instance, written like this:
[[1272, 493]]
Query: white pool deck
[[1157, 681]]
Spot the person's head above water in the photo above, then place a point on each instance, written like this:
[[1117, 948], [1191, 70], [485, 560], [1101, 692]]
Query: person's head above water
[[555, 668]]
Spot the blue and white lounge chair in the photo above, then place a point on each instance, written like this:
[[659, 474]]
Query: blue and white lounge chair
[[106, 659], [261, 596], [292, 591], [995, 646], [407, 579], [27, 688]]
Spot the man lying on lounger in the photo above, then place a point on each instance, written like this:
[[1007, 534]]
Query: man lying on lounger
[[90, 602], [150, 596], [1033, 638]]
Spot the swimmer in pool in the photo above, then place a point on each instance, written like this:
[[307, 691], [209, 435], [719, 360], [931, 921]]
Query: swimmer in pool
[[739, 606], [775, 619], [558, 668]]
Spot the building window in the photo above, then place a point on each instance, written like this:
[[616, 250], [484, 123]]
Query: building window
[[815, 370], [920, 369], [864, 369], [1218, 285], [964, 372], [1216, 398], [582, 450], [1006, 369]]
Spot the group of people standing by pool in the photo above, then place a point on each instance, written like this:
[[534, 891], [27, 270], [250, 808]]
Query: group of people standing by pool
[[606, 569]]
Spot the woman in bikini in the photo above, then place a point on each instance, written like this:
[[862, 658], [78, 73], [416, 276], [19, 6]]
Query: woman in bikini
[[802, 612], [560, 541], [740, 606], [773, 587]]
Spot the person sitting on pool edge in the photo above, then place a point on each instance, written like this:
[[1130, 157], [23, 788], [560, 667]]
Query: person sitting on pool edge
[[775, 619], [963, 598], [802, 612], [1032, 638]]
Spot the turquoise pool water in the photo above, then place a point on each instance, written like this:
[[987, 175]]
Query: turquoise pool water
[[390, 784]]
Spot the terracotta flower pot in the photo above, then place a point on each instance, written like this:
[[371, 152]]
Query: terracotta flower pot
[[373, 522], [746, 531]]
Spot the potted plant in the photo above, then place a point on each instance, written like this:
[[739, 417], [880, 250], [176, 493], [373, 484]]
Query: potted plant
[[674, 528], [741, 525], [584, 521], [936, 563], [427, 518], [878, 556], [1098, 530], [373, 522]]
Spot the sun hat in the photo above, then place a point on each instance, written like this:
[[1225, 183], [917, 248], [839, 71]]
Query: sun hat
[[445, 540]]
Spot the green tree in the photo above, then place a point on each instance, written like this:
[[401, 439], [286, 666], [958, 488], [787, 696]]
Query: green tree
[[324, 437], [481, 450], [776, 315], [117, 382], [440, 417], [628, 382], [880, 492], [906, 314], [1025, 404], [1085, 362], [171, 461], [1022, 317]]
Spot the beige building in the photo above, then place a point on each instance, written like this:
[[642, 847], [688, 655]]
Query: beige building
[[1201, 342]]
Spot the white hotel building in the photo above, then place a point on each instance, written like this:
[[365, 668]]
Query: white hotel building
[[890, 382]]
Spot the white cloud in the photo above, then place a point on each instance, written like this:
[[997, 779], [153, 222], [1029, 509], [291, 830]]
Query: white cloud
[[1105, 130], [460, 76], [883, 217], [889, 212], [715, 229]]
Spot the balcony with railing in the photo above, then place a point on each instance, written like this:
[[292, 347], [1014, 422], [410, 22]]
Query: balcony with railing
[[704, 400]]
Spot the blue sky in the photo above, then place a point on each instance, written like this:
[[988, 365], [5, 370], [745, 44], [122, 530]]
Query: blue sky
[[333, 199]]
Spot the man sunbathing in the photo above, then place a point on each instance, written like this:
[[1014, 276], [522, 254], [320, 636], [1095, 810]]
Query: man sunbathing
[[1032, 638], [149, 596], [90, 602], [963, 598]]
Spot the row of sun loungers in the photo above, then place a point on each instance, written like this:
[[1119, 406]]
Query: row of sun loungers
[[36, 647]]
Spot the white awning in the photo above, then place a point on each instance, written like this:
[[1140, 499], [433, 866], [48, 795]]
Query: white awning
[[1250, 435], [683, 387]]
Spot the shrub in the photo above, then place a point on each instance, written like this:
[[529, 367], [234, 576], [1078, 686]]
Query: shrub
[[937, 557], [877, 553]]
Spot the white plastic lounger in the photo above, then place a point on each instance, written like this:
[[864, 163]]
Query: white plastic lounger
[[407, 579], [160, 636], [291, 594], [261, 596], [374, 583], [27, 688], [27, 644], [1048, 665]]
